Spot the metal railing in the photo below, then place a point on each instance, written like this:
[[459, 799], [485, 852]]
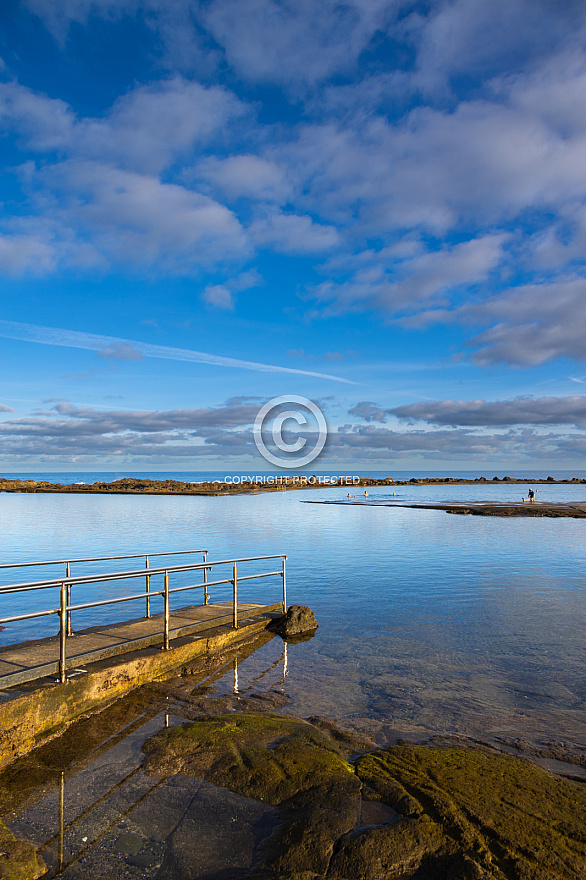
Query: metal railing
[[69, 562], [65, 584]]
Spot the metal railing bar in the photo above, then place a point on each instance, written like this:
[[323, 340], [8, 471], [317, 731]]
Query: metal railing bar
[[217, 583], [250, 577], [29, 616], [97, 558], [119, 599], [112, 601], [25, 588], [120, 575]]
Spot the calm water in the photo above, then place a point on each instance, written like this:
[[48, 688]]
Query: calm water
[[428, 622]]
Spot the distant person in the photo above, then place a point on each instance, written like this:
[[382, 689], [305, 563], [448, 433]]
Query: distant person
[[531, 496], [366, 494]]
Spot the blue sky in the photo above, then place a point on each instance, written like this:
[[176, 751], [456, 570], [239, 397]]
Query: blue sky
[[380, 206]]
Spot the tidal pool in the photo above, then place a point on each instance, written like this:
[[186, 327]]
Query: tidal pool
[[429, 623]]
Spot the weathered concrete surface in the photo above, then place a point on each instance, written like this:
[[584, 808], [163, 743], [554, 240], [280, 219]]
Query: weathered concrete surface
[[37, 659], [31, 718]]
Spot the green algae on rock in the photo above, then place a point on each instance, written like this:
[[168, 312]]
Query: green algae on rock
[[507, 816], [18, 859], [264, 756], [280, 761], [461, 813]]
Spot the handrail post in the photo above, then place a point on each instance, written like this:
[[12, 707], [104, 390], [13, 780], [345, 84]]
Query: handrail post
[[166, 615], [148, 589], [62, 634], [235, 598], [283, 575], [205, 580], [69, 631]]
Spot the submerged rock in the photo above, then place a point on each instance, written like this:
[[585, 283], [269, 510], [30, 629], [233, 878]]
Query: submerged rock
[[443, 813], [264, 756], [276, 760], [298, 621]]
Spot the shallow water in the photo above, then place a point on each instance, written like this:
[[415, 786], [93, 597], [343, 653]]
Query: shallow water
[[428, 622]]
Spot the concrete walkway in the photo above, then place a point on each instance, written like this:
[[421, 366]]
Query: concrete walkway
[[33, 660]]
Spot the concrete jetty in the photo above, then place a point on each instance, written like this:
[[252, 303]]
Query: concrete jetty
[[101, 669]]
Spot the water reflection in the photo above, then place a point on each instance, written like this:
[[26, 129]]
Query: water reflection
[[103, 816], [428, 622], [255, 681]]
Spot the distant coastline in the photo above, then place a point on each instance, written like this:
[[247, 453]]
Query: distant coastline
[[145, 486]]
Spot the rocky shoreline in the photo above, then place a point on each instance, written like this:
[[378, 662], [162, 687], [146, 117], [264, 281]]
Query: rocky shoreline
[[282, 797], [133, 486], [574, 510]]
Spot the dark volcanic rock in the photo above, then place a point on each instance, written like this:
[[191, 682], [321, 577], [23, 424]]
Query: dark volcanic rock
[[299, 620]]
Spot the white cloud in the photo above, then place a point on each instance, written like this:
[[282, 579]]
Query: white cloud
[[294, 41], [154, 125], [382, 280], [135, 217], [145, 130], [531, 324], [219, 296], [246, 176], [480, 39], [482, 413], [293, 234], [225, 430], [493, 157], [29, 254]]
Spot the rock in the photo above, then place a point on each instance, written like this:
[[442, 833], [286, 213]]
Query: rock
[[437, 811], [217, 837], [464, 868], [146, 858], [264, 756], [499, 816], [298, 621], [312, 822], [276, 760], [130, 843], [18, 859], [387, 852], [350, 741]]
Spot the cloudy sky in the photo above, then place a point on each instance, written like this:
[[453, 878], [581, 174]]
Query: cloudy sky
[[378, 205]]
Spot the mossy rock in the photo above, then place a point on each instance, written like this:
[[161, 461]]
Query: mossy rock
[[18, 859], [277, 760], [263, 756], [509, 817]]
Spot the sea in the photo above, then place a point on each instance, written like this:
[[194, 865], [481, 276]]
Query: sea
[[429, 623]]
